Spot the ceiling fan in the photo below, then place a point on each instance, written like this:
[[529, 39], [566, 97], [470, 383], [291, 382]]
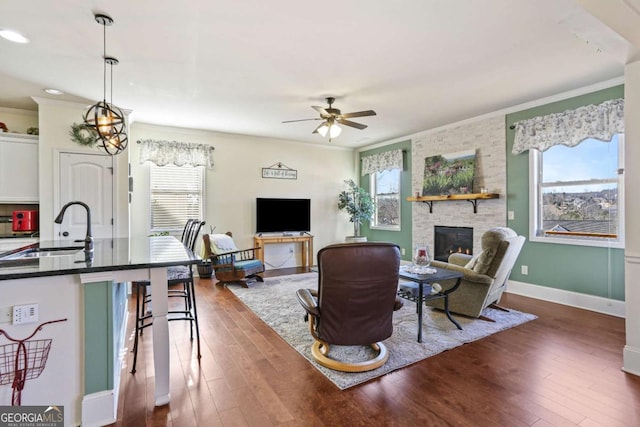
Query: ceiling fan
[[332, 116]]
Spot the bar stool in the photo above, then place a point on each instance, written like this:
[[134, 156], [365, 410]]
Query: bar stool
[[180, 276]]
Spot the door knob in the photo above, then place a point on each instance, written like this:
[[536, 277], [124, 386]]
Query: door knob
[[65, 233]]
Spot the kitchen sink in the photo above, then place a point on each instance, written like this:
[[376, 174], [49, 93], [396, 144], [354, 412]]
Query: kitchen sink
[[43, 252]]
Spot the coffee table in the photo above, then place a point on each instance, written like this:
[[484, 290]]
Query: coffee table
[[421, 291]]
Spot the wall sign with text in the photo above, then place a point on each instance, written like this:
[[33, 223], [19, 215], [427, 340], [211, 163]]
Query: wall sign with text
[[279, 171]]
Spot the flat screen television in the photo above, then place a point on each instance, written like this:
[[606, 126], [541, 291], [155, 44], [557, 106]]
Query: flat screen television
[[282, 215]]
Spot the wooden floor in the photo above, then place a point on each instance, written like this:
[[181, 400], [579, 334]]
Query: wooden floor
[[562, 369]]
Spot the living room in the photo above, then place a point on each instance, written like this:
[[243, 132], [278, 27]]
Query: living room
[[598, 279]]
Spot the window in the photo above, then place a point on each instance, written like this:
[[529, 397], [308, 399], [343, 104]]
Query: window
[[385, 190], [577, 193], [177, 194]]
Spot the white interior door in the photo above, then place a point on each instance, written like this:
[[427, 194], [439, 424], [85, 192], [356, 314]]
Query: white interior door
[[86, 178]]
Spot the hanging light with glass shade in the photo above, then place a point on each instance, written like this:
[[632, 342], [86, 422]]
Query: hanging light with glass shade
[[105, 118], [331, 127]]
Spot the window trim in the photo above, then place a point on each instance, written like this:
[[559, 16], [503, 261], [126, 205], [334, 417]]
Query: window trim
[[373, 191], [535, 204]]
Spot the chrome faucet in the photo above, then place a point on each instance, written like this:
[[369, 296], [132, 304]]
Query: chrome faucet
[[88, 240]]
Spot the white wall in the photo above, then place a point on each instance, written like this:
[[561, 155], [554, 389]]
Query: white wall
[[61, 381], [235, 181], [18, 120], [55, 120], [632, 221]]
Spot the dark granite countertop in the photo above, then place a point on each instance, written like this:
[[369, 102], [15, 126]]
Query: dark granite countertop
[[108, 255]]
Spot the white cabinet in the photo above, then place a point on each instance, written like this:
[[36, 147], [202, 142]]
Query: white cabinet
[[18, 168]]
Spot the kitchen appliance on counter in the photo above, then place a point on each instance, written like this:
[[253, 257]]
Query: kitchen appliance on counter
[[25, 220]]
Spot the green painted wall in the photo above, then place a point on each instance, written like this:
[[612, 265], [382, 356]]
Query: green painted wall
[[583, 269], [402, 237], [98, 337]]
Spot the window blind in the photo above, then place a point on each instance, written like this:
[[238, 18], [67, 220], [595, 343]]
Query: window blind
[[176, 196]]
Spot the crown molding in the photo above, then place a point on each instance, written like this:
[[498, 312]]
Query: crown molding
[[503, 112]]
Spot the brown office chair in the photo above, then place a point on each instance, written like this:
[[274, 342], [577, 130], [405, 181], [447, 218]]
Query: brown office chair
[[180, 285], [355, 301]]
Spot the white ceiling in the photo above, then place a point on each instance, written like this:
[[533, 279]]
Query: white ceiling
[[245, 66]]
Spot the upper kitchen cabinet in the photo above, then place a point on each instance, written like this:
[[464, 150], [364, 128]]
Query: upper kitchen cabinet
[[18, 168]]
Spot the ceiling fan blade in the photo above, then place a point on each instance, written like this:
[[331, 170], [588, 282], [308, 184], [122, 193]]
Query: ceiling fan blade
[[320, 110], [301, 120], [352, 124], [358, 114], [319, 126]]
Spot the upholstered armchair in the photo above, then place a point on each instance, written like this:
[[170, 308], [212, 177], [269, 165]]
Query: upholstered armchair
[[354, 302], [229, 263], [485, 274]]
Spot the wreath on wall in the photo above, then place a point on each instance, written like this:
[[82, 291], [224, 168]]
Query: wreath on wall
[[83, 134]]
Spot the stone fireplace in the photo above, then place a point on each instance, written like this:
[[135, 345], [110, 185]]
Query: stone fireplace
[[487, 136], [448, 240]]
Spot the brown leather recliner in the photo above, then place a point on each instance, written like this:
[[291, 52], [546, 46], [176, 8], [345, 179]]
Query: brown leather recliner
[[355, 300]]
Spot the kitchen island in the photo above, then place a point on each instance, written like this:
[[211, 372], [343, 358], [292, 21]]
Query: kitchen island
[[89, 290]]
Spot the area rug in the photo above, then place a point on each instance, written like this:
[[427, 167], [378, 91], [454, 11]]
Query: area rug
[[275, 302]]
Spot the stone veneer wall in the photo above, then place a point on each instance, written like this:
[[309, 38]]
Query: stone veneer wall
[[487, 136]]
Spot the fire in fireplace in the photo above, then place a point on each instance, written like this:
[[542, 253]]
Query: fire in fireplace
[[448, 240]]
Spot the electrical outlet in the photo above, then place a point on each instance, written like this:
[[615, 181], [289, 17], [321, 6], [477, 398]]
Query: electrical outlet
[[27, 313], [524, 270], [511, 215], [403, 252]]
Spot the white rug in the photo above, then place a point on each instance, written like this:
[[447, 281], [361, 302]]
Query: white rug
[[275, 302]]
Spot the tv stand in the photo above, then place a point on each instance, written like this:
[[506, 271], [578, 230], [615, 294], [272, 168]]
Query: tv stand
[[306, 246]]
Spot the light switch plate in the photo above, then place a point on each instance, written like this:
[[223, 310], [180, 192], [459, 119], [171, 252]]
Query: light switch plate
[[511, 215]]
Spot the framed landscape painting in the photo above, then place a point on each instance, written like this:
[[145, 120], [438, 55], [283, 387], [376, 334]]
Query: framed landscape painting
[[449, 173]]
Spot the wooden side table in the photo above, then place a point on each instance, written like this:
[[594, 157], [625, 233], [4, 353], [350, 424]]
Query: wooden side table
[[305, 241]]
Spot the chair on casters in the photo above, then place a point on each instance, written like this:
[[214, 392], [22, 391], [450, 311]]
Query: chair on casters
[[229, 263], [180, 284], [354, 303]]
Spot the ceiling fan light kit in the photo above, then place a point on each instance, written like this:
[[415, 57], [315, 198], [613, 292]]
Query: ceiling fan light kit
[[105, 118], [329, 127], [332, 117]]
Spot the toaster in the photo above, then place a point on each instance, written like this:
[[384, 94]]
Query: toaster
[[25, 221]]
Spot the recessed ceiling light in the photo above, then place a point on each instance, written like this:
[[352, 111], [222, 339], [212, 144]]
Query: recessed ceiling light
[[53, 91], [13, 36]]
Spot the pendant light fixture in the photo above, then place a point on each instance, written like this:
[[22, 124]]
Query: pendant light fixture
[[107, 119]]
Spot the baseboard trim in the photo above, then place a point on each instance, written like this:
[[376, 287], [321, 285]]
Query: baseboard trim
[[573, 299], [98, 408], [631, 360]]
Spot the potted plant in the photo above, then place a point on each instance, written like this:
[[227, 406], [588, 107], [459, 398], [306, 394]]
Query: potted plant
[[359, 205], [205, 267]]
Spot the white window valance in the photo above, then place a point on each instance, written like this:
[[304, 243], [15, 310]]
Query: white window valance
[[382, 161], [570, 127], [163, 153]]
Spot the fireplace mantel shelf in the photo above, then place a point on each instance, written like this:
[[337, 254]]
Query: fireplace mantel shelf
[[472, 198]]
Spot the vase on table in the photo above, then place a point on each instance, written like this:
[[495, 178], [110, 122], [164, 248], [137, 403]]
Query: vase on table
[[421, 255]]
